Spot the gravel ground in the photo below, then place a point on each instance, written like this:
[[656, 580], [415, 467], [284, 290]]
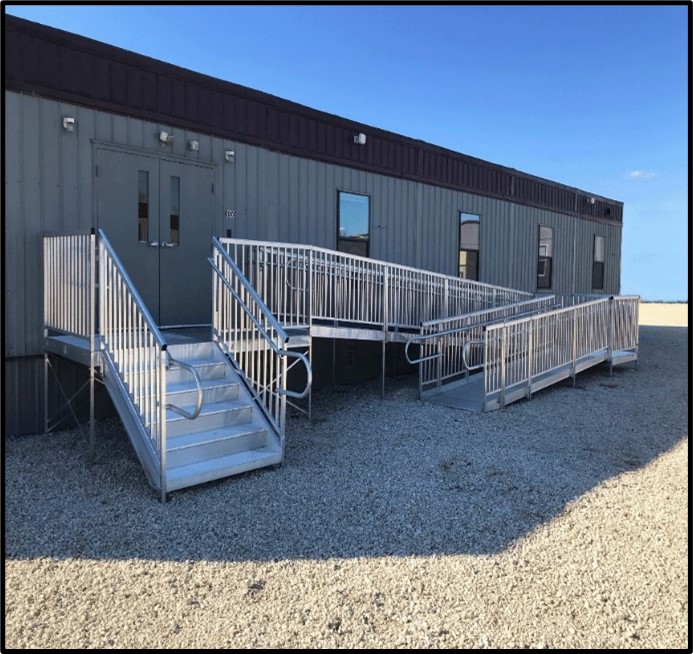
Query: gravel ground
[[558, 522]]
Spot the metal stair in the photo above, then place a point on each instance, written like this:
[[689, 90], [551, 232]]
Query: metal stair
[[229, 436]]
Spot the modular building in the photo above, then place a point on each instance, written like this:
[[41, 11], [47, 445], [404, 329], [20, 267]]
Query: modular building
[[162, 159]]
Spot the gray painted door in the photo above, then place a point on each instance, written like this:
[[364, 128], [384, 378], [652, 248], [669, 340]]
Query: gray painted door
[[158, 216]]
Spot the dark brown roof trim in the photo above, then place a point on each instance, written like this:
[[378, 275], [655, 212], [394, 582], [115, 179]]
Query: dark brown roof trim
[[68, 67]]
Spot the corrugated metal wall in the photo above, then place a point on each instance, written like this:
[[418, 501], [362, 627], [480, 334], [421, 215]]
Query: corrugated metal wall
[[68, 67], [50, 189]]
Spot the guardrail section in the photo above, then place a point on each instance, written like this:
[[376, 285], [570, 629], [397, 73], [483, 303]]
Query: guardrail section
[[251, 335], [301, 284]]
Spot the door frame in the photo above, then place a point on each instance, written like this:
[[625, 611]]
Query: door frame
[[206, 164]]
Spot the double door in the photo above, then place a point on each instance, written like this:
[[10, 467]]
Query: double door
[[158, 215]]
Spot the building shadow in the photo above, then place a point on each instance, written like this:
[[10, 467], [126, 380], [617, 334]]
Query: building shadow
[[368, 477]]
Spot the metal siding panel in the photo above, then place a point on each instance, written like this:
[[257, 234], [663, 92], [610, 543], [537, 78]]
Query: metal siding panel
[[69, 148], [14, 221], [51, 163], [85, 134], [293, 203], [269, 187], [104, 126], [135, 136], [283, 232], [32, 275], [329, 220], [12, 418], [205, 152], [120, 129], [321, 203]]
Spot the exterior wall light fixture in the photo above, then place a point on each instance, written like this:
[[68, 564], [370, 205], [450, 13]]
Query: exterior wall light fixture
[[360, 138], [194, 146], [69, 124], [165, 138], [229, 156]]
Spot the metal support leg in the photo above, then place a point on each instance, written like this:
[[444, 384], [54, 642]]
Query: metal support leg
[[384, 351], [334, 360], [310, 392], [45, 393], [92, 452]]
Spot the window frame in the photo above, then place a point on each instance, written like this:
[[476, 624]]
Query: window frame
[[460, 222], [544, 261], [596, 262], [340, 238]]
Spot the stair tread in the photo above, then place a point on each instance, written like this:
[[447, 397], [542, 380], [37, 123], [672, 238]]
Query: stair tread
[[222, 462], [200, 437], [210, 409], [185, 386]]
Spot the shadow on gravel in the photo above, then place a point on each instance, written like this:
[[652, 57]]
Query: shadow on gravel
[[368, 477]]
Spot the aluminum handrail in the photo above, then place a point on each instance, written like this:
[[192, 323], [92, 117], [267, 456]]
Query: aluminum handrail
[[304, 284], [467, 345], [249, 288], [266, 336], [151, 324], [248, 330], [368, 260], [481, 312], [132, 289], [198, 384], [458, 330]]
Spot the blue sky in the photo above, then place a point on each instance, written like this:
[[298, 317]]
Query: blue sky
[[590, 96]]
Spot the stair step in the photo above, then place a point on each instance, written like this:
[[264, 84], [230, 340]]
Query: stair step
[[213, 390], [212, 416], [225, 466], [206, 368], [193, 351], [205, 445]]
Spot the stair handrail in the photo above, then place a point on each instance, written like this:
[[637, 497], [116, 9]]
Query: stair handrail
[[161, 342], [138, 352], [268, 338], [198, 384], [275, 343]]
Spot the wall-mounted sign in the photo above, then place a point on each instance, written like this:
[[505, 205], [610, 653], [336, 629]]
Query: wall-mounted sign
[[230, 214]]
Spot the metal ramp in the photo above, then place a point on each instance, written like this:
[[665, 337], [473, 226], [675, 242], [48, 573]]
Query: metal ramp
[[486, 360], [198, 409]]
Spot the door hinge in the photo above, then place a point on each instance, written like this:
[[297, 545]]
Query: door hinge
[[96, 170], [212, 187]]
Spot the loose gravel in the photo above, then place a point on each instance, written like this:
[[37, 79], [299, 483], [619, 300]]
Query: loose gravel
[[558, 522]]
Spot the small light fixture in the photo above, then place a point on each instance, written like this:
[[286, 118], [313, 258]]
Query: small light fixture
[[229, 155], [360, 138], [69, 123], [165, 138], [193, 145], [590, 200]]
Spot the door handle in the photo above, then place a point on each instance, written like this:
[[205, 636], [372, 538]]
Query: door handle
[[166, 244], [153, 244]]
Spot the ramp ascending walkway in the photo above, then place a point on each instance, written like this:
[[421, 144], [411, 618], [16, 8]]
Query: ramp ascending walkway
[[205, 409], [489, 359]]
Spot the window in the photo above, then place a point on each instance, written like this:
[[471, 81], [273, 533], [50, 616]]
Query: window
[[598, 264], [545, 261], [174, 216], [143, 206], [354, 211], [469, 246]]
